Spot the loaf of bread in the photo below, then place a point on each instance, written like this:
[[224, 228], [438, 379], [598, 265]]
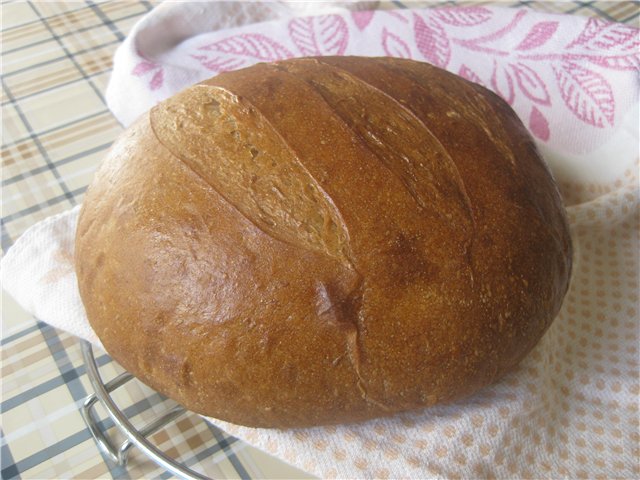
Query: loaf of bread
[[323, 240]]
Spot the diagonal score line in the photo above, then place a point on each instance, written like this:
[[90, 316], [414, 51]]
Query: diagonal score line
[[67, 194]]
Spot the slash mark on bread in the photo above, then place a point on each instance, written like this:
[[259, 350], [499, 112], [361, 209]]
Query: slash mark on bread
[[225, 140]]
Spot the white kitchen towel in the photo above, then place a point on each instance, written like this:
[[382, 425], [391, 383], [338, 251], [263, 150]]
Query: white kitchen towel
[[572, 407]]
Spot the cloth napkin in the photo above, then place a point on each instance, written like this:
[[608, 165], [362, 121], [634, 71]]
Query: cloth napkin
[[571, 408]]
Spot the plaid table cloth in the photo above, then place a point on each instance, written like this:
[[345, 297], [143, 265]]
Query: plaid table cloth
[[56, 61]]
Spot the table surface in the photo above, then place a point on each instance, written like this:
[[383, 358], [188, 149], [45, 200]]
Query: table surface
[[56, 61]]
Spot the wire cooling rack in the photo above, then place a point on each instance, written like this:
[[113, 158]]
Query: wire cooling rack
[[119, 452]]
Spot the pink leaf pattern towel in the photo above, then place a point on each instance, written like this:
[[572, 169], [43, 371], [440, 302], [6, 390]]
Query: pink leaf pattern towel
[[325, 35], [362, 18], [463, 16], [145, 67], [586, 93], [394, 46], [569, 69], [432, 41], [240, 50], [538, 35]]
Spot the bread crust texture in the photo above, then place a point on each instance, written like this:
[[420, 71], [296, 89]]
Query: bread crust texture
[[323, 240]]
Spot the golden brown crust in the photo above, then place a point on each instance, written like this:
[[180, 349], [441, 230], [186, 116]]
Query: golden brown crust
[[323, 240]]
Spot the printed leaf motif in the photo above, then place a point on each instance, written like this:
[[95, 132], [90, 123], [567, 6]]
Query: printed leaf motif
[[394, 46], [617, 62], [539, 125], [601, 35], [502, 83], [621, 36], [539, 34], [586, 93], [476, 43], [157, 80], [323, 35], [463, 16], [432, 41], [617, 37], [466, 72], [591, 29], [219, 64], [531, 84], [253, 45], [142, 68], [362, 18]]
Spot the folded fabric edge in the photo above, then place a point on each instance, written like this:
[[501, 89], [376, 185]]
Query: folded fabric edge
[[31, 259], [18, 246]]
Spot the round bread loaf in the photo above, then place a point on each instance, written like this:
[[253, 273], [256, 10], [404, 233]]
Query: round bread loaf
[[323, 240]]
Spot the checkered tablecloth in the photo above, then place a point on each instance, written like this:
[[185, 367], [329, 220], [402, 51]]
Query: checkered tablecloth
[[56, 60]]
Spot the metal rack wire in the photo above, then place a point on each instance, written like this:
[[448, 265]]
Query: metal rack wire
[[138, 437]]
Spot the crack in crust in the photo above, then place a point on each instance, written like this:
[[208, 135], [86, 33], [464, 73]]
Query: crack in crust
[[344, 309]]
